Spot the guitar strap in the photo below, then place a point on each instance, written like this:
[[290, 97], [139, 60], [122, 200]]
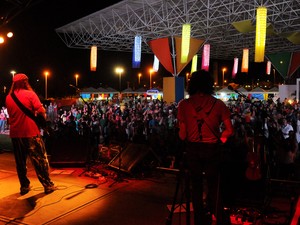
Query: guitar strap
[[25, 110], [202, 117]]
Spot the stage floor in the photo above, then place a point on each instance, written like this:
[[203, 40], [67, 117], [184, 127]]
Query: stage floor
[[94, 197]]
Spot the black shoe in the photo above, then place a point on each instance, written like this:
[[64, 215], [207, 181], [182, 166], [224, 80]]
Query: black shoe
[[49, 189], [24, 190]]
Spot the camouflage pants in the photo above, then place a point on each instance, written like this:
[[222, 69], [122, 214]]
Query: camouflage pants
[[33, 147]]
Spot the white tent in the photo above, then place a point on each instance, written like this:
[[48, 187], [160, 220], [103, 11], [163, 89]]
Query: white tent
[[225, 94], [111, 90], [257, 90], [89, 90]]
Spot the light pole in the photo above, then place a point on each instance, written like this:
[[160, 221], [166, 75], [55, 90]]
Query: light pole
[[187, 78], [46, 73], [151, 71], [119, 70], [13, 73], [223, 72], [139, 75], [76, 79]]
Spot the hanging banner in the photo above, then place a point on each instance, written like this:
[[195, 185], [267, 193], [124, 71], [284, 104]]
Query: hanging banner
[[185, 43], [93, 59], [205, 57], [137, 52], [268, 69], [155, 64], [161, 48], [194, 64], [235, 67], [281, 62], [260, 34], [195, 45], [245, 60]]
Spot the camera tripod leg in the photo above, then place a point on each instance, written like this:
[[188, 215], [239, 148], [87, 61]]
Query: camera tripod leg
[[186, 191]]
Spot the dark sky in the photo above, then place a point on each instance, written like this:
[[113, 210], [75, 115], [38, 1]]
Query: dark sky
[[36, 47]]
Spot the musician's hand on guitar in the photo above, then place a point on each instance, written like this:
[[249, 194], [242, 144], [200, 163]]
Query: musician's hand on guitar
[[223, 139]]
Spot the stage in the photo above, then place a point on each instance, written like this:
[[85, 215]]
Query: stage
[[93, 195]]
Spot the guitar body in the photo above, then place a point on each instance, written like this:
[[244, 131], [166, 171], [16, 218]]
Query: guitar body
[[40, 121]]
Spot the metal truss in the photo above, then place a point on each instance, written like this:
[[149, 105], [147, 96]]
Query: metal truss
[[9, 9], [114, 28]]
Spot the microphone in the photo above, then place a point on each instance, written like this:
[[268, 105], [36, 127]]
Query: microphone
[[230, 87]]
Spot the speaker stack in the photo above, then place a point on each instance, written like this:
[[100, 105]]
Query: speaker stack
[[68, 151], [132, 157]]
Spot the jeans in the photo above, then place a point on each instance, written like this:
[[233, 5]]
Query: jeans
[[2, 125]]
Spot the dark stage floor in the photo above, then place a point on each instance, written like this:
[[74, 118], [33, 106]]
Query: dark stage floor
[[94, 197]]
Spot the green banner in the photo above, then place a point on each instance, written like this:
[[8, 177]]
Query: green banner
[[281, 62]]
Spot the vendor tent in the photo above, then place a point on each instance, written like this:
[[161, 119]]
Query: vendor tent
[[258, 93]]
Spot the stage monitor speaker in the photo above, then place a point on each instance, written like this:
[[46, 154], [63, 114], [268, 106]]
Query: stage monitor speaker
[[68, 151], [127, 159]]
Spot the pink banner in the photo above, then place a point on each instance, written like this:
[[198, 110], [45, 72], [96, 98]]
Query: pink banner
[[235, 67], [205, 57]]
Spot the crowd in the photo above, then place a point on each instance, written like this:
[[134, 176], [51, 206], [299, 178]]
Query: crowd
[[105, 122], [3, 120], [269, 129]]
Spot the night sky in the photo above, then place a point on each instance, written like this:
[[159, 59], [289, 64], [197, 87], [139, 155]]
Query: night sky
[[36, 47]]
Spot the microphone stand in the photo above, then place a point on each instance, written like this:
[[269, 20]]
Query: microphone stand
[[78, 92], [236, 91]]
